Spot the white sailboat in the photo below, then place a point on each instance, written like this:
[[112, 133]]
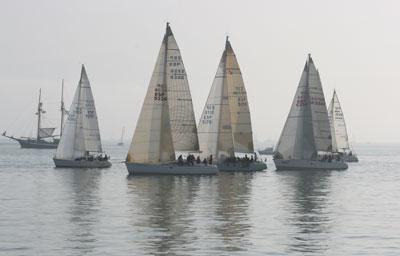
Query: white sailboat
[[340, 139], [166, 122], [225, 124], [306, 142], [80, 144]]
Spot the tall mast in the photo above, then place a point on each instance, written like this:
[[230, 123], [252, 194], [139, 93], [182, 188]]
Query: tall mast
[[222, 93], [39, 114], [62, 108], [164, 89]]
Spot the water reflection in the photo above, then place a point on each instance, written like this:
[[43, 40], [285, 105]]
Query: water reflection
[[308, 217], [164, 207], [233, 196], [83, 186]]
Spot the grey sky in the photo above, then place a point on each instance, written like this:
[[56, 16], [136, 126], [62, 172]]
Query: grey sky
[[355, 45]]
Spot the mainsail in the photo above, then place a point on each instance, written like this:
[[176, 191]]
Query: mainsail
[[81, 130], [340, 140], [181, 113], [225, 124], [307, 128]]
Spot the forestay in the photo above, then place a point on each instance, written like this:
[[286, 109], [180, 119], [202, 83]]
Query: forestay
[[340, 141], [307, 128], [81, 130]]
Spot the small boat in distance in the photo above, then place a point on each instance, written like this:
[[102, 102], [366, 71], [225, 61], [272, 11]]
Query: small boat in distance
[[121, 141], [340, 139], [306, 141], [225, 124], [80, 143], [45, 138], [166, 122]]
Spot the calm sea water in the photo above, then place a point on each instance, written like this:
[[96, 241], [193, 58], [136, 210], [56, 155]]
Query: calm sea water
[[48, 211]]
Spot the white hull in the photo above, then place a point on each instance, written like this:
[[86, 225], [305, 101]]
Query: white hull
[[242, 167], [81, 163], [298, 164], [171, 169]]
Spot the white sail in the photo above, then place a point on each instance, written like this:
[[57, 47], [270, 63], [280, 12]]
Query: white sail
[[181, 113], [152, 140], [320, 118], [81, 130], [238, 104], [307, 129], [225, 125], [340, 140], [46, 132]]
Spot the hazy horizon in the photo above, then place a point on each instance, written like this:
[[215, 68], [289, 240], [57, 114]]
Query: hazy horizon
[[354, 44]]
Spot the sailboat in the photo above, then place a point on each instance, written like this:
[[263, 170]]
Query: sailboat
[[121, 141], [80, 144], [306, 142], [225, 124], [45, 138], [166, 122], [340, 139]]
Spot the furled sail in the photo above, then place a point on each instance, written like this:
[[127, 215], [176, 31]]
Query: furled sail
[[152, 141], [181, 113], [81, 130], [46, 132], [225, 124], [340, 140], [307, 128]]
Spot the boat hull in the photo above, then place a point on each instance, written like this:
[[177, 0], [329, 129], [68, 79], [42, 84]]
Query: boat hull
[[303, 165], [242, 167], [64, 163], [37, 144], [171, 169], [33, 143]]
